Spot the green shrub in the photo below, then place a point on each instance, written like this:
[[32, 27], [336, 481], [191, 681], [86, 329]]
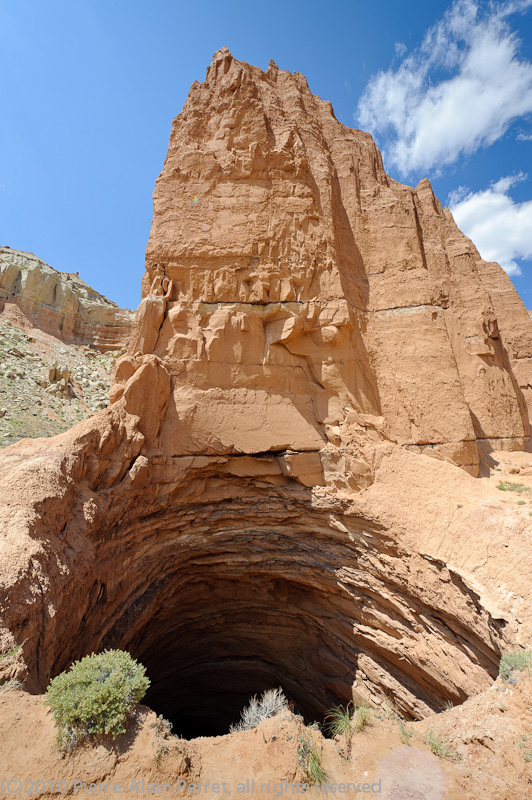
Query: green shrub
[[508, 486], [438, 745], [515, 661], [344, 721], [338, 721], [95, 696], [310, 760]]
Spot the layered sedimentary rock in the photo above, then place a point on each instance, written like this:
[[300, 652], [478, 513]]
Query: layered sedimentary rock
[[246, 513], [292, 253], [60, 303]]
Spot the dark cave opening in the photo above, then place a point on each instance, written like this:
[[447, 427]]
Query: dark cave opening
[[215, 646], [219, 615], [211, 710]]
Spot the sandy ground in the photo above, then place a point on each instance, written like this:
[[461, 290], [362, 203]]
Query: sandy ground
[[486, 745]]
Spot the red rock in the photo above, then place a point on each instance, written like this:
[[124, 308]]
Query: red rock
[[32, 294], [255, 507]]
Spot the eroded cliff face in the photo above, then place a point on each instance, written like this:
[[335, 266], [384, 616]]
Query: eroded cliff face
[[306, 289], [60, 303], [246, 514]]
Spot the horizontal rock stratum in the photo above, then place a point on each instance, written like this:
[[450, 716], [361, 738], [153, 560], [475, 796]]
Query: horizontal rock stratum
[[319, 296], [60, 303], [256, 508]]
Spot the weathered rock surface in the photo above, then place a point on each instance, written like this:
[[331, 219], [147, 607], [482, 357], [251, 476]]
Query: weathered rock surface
[[290, 258], [247, 513], [60, 303]]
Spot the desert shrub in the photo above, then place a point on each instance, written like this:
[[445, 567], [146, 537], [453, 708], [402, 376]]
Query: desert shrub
[[163, 729], [344, 720], [515, 661], [271, 703], [404, 733], [508, 486], [438, 745], [96, 696], [360, 718], [338, 721], [310, 760]]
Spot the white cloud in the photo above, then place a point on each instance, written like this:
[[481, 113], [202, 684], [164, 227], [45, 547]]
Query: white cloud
[[400, 49], [460, 90], [500, 228]]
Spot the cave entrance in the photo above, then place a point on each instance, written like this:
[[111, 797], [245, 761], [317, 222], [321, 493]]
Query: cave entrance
[[230, 600], [211, 645]]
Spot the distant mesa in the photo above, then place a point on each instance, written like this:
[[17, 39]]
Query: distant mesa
[[60, 303]]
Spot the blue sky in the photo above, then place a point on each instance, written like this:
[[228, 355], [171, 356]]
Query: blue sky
[[88, 90]]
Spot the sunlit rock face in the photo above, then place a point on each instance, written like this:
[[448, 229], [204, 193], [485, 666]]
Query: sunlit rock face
[[60, 303], [247, 512], [306, 290]]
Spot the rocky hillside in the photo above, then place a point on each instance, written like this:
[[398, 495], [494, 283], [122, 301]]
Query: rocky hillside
[[59, 340], [486, 742], [60, 303], [46, 386]]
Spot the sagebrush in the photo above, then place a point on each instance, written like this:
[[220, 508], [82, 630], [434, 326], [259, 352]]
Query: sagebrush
[[271, 702], [96, 696], [511, 662]]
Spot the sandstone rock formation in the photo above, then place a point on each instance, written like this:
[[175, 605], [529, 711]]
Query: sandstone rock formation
[[345, 292], [60, 303], [256, 506]]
